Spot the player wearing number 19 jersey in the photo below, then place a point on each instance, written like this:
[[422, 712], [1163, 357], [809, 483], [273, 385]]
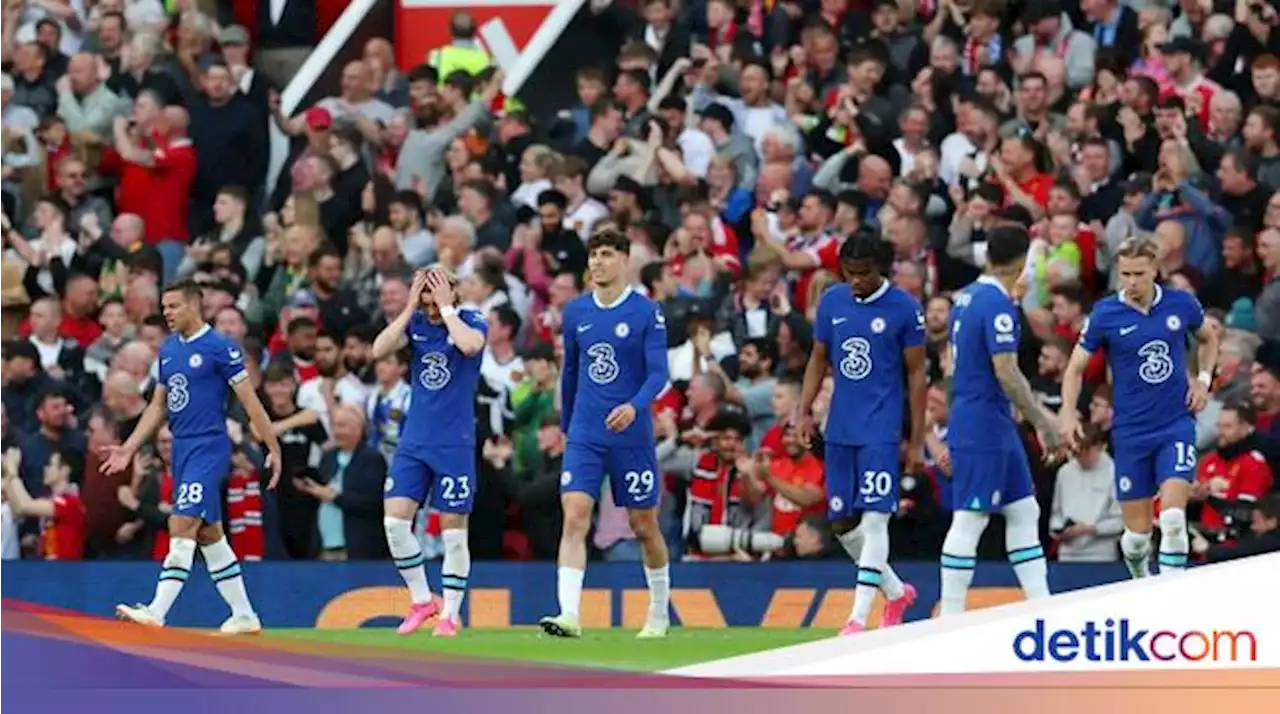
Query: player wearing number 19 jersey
[[990, 471], [868, 333], [435, 462], [615, 365], [1145, 329]]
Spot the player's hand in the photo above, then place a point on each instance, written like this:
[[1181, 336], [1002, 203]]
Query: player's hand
[[116, 458], [943, 461], [913, 459], [274, 462], [1070, 432], [415, 290], [621, 417], [1197, 396], [803, 424], [441, 290]]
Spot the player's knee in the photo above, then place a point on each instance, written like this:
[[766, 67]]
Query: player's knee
[[402, 508], [848, 524], [1173, 523], [184, 527], [209, 534], [398, 530], [644, 523], [1023, 513], [453, 521]]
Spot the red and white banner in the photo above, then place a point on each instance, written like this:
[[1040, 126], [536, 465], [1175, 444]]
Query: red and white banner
[[516, 33]]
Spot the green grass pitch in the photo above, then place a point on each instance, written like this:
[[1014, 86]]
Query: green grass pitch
[[613, 648]]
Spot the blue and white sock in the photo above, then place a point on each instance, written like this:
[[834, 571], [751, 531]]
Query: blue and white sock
[[455, 570], [1022, 541], [408, 557], [224, 569], [173, 575], [1174, 543], [960, 558]]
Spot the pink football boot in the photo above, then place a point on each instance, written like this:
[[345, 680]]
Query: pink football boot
[[852, 627], [446, 627], [895, 609], [419, 613]]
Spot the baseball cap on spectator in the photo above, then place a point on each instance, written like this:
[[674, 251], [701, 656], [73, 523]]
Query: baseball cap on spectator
[[718, 112], [1138, 182], [302, 298], [1181, 45], [1038, 10], [209, 60], [318, 118], [233, 35]]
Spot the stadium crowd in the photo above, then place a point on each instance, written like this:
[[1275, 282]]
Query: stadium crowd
[[737, 143]]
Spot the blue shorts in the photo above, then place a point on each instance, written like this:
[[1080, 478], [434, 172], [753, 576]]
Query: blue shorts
[[987, 480], [633, 473], [447, 473], [1144, 463], [200, 468], [862, 478]]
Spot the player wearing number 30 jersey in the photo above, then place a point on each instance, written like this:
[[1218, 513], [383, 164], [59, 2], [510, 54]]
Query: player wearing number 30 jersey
[[1145, 330], [869, 333], [615, 365], [436, 461]]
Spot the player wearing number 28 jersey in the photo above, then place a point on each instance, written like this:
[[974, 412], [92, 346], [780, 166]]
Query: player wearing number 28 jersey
[[1145, 330], [615, 365]]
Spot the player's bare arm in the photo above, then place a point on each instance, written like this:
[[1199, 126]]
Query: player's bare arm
[[1069, 430], [917, 390], [261, 422], [1018, 389], [814, 373], [1206, 360], [118, 457], [394, 336], [466, 338]]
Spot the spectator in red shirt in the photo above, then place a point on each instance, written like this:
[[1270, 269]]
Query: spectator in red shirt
[[794, 479], [1236, 471], [1016, 171], [79, 312], [62, 526], [168, 162]]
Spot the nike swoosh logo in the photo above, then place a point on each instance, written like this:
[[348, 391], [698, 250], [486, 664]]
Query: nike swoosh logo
[[1127, 330], [838, 320], [583, 328], [419, 338], [165, 361]]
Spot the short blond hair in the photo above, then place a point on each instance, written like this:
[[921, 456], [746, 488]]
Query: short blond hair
[[1138, 247]]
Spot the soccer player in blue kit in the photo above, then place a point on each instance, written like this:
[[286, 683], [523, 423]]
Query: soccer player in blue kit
[[869, 333], [615, 365], [436, 459], [196, 367], [1145, 329], [990, 471]]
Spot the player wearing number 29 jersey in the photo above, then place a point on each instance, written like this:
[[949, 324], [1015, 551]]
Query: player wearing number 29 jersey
[[613, 354]]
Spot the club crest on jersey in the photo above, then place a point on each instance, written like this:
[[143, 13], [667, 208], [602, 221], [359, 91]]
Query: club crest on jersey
[[1125, 484], [195, 361], [836, 504], [565, 478], [877, 325], [622, 330], [390, 484], [1173, 323]]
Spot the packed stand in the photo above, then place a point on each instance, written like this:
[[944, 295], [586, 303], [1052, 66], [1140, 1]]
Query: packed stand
[[736, 143]]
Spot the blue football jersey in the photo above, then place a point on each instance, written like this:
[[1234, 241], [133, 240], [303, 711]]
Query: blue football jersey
[[614, 354], [1147, 353], [984, 323], [865, 339], [197, 374], [442, 406]]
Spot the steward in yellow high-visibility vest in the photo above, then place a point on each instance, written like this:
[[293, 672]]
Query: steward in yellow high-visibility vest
[[463, 53]]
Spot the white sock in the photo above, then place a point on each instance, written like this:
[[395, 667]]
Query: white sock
[[659, 580], [852, 543], [1136, 548], [569, 590], [959, 558], [455, 570], [173, 575], [224, 569], [872, 564], [1174, 543], [408, 557], [1022, 541]]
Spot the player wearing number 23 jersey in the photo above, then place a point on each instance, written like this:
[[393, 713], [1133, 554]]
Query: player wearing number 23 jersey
[[436, 460], [865, 339], [1154, 431], [197, 374], [613, 354]]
